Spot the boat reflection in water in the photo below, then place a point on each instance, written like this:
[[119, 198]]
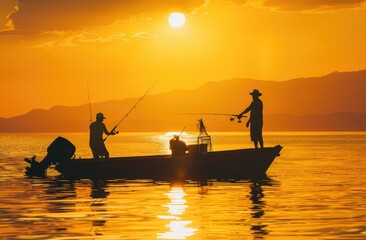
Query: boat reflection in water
[[178, 227], [257, 209], [181, 228], [83, 209], [99, 212]]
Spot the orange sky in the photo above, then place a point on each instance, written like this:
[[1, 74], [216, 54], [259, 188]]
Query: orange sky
[[50, 49]]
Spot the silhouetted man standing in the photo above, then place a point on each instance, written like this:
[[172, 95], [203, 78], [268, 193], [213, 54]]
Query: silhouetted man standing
[[256, 118], [96, 141]]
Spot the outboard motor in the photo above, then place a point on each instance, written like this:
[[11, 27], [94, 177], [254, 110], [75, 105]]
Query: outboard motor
[[58, 152]]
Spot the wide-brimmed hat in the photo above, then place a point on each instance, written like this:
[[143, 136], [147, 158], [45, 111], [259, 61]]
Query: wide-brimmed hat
[[255, 93], [100, 115]]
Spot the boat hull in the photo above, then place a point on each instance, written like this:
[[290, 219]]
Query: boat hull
[[220, 165]]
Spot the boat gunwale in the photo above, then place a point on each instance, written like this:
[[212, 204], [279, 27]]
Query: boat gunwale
[[169, 156]]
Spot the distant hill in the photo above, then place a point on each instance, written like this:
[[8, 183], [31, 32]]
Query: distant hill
[[335, 102]]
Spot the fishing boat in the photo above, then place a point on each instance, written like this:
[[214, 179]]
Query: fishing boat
[[197, 164], [230, 164]]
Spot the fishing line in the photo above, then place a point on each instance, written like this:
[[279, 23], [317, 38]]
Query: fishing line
[[133, 107]]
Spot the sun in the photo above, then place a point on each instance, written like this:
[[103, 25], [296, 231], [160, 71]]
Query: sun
[[177, 19]]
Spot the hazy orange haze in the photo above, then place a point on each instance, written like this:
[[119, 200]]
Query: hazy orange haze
[[50, 49]]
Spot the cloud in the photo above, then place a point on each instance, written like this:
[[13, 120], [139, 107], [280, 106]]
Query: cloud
[[7, 7], [73, 15], [77, 15], [64, 39], [304, 5], [88, 37], [298, 5]]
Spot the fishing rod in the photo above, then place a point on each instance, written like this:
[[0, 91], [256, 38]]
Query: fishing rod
[[90, 111], [181, 132], [126, 115], [178, 136], [232, 116]]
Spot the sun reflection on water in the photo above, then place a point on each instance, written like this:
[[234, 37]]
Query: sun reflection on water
[[178, 228]]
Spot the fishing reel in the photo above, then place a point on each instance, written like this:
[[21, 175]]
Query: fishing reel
[[233, 117]]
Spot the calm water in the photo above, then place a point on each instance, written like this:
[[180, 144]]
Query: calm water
[[316, 189]]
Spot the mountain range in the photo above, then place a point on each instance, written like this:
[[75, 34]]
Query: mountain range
[[335, 102]]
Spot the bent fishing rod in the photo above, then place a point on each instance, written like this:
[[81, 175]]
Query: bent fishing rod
[[133, 107], [232, 116]]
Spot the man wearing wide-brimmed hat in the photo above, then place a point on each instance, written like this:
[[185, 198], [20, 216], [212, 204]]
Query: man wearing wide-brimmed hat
[[256, 118]]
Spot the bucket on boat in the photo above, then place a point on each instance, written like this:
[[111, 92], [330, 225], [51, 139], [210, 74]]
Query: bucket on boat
[[197, 148]]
